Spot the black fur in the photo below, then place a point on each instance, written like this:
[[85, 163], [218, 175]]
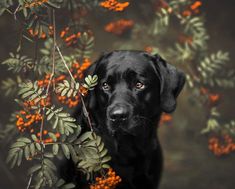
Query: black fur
[[126, 117]]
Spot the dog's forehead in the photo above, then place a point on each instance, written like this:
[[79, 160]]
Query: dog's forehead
[[123, 61]]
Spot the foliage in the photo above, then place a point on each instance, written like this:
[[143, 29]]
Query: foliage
[[211, 70], [93, 154], [18, 63], [53, 75], [48, 130], [206, 72], [160, 23]]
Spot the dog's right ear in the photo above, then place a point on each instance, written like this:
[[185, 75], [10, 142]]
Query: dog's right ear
[[172, 82]]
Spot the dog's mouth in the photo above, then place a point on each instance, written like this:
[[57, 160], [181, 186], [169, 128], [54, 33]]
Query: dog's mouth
[[134, 125]]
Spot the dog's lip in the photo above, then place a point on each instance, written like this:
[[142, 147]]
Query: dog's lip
[[118, 120], [115, 124]]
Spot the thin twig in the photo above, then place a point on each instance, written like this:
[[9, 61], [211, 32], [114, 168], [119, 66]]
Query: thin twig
[[86, 113], [41, 129], [20, 38], [29, 182], [36, 52], [83, 103], [65, 64], [17, 8], [53, 52], [49, 83]]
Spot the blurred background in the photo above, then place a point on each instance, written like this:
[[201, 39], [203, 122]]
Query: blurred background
[[187, 160]]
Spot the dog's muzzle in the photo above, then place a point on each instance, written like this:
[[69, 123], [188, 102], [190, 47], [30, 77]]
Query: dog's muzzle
[[118, 113]]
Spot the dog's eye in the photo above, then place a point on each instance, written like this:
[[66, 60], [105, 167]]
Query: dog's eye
[[139, 85], [105, 86]]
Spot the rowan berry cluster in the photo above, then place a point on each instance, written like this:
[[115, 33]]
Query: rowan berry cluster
[[25, 120], [110, 181], [114, 5], [148, 49], [212, 97], [69, 101], [192, 9], [42, 34], [78, 69], [221, 146], [35, 3], [44, 82], [30, 119], [165, 118], [119, 27], [68, 37], [46, 140]]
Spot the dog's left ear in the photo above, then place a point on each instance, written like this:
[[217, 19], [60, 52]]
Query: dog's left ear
[[172, 82]]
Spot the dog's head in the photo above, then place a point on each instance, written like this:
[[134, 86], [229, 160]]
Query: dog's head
[[133, 87]]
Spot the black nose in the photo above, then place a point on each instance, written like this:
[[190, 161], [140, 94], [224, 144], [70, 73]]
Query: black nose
[[118, 113]]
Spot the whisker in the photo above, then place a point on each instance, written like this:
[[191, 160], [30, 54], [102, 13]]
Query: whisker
[[139, 117]]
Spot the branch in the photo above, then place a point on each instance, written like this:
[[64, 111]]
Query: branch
[[29, 182], [17, 8], [53, 52], [65, 64], [83, 103]]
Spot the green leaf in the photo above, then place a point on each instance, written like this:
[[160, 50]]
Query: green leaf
[[52, 136], [11, 155], [90, 82], [18, 63], [14, 161], [73, 154], [39, 183], [33, 136], [18, 144], [24, 139], [50, 164], [48, 155], [68, 186], [106, 159], [65, 150], [27, 152], [55, 123], [48, 178], [59, 183], [20, 155], [32, 149], [105, 166], [50, 116], [55, 149], [85, 136], [34, 169], [38, 146]]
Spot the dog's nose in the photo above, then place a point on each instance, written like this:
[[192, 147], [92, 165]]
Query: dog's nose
[[118, 114]]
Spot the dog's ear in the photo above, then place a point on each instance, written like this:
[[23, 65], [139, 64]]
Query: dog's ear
[[172, 82]]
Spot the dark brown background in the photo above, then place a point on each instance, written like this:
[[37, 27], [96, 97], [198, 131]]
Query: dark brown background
[[188, 163]]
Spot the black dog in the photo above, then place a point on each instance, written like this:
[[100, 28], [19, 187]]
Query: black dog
[[134, 88]]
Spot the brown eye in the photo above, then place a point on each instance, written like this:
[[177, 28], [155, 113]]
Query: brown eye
[[139, 85], [105, 86]]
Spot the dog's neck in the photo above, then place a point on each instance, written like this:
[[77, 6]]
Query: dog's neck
[[122, 143]]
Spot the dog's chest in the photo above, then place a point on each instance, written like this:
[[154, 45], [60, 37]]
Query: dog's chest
[[126, 149]]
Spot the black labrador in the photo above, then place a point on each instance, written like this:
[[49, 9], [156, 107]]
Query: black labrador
[[134, 88]]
